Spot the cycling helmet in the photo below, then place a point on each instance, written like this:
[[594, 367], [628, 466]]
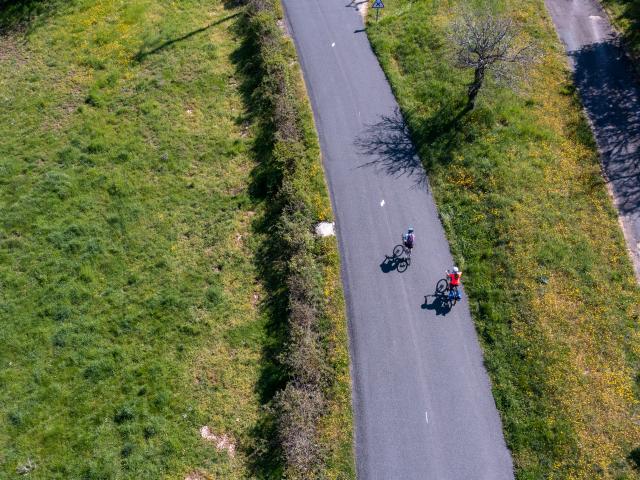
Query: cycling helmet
[[455, 270], [410, 229]]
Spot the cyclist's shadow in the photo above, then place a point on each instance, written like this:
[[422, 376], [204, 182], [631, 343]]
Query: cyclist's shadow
[[440, 303], [444, 298], [397, 261]]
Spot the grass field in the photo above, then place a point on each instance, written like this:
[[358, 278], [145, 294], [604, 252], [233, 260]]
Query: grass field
[[130, 304], [626, 17], [552, 291]]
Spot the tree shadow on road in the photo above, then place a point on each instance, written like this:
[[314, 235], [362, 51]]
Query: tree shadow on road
[[611, 95], [355, 4], [389, 142], [394, 146]]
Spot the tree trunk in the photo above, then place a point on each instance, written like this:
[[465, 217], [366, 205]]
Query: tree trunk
[[474, 88]]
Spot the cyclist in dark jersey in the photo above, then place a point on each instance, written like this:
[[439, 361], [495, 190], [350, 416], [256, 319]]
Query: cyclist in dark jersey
[[409, 238]]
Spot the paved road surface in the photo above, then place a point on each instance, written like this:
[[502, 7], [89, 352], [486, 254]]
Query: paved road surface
[[422, 399], [611, 96]]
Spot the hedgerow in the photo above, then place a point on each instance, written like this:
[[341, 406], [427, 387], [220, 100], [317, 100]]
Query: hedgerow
[[295, 194]]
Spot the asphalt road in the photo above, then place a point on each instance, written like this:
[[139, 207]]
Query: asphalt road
[[611, 97], [422, 399]]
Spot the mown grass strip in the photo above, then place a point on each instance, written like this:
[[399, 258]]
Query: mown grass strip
[[518, 186]]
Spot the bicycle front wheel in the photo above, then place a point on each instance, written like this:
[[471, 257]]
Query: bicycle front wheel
[[442, 286], [398, 250]]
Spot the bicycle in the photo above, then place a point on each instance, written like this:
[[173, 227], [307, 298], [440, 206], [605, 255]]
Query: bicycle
[[444, 288], [399, 249], [403, 254]]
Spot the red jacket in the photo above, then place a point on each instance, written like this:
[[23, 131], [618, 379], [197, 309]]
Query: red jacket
[[454, 279]]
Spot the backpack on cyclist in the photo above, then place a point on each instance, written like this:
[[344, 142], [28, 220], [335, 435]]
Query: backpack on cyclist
[[409, 240]]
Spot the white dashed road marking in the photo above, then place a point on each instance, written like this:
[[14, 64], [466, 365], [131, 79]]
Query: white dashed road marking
[[382, 203], [426, 415]]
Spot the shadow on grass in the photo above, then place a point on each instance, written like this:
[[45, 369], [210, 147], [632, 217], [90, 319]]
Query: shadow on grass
[[634, 458], [149, 50], [631, 12], [262, 449], [24, 15]]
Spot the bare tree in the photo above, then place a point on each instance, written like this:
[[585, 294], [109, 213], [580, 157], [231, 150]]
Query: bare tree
[[490, 45]]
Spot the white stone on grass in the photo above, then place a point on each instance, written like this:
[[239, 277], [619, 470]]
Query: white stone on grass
[[325, 229]]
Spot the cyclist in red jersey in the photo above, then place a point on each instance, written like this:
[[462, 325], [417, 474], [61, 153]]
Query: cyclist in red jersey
[[454, 281]]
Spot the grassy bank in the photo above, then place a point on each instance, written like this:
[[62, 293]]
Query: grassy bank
[[625, 15], [309, 406], [129, 298], [518, 185]]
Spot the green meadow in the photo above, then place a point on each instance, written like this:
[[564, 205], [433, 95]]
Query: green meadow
[[130, 302]]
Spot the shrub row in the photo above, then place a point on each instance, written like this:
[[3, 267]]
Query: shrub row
[[300, 405]]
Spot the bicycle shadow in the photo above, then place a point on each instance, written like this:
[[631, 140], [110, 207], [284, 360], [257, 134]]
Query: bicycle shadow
[[390, 264], [443, 298], [400, 263], [440, 304]]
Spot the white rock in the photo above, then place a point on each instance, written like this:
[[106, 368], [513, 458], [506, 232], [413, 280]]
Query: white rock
[[325, 229]]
